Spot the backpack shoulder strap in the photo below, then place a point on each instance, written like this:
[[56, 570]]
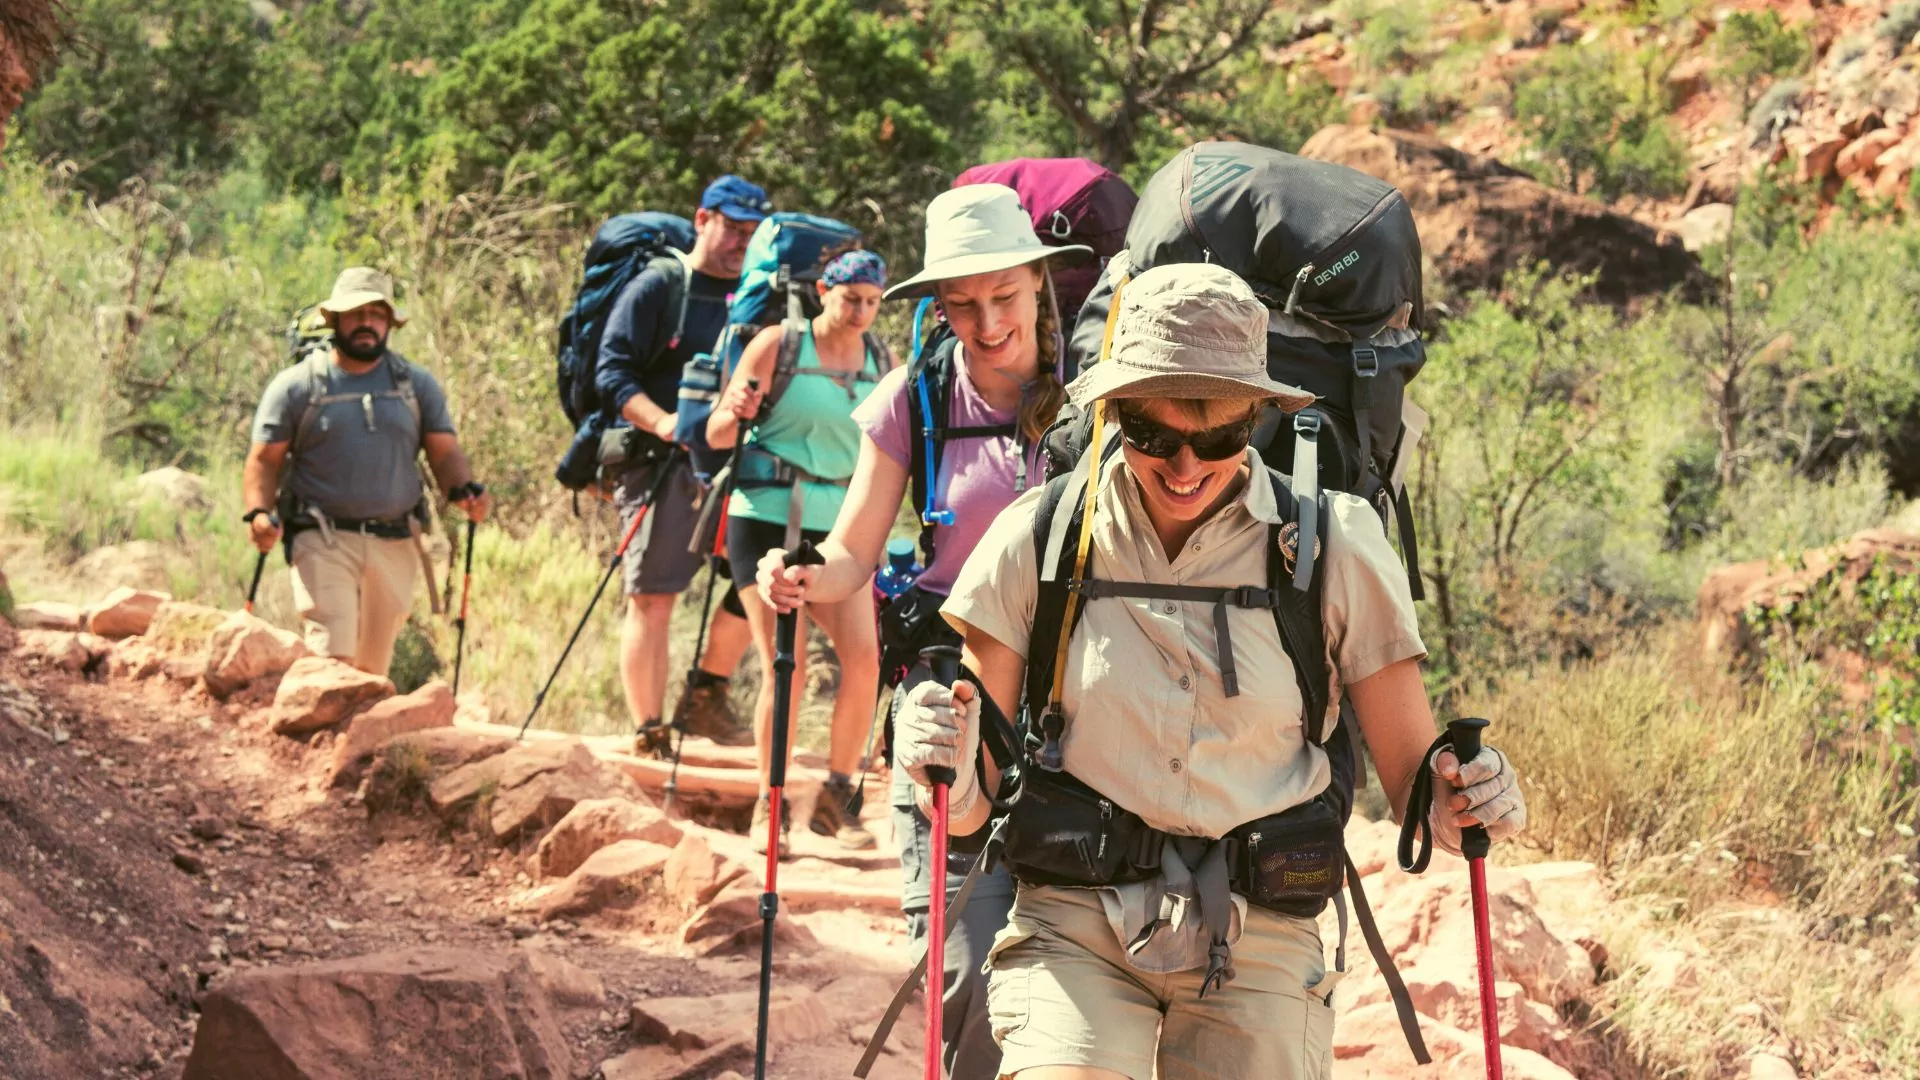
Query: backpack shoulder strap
[[1050, 601], [402, 372], [792, 329], [678, 273], [315, 367], [1303, 628]]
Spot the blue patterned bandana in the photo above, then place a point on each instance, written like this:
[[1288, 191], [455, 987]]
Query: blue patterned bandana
[[855, 268]]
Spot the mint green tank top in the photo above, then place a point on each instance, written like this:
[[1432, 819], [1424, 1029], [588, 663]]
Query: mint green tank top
[[810, 428]]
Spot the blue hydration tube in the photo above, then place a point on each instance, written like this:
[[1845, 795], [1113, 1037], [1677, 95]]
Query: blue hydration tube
[[928, 514]]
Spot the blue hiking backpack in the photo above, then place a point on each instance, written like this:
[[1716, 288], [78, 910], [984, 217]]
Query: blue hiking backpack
[[783, 262], [621, 249]]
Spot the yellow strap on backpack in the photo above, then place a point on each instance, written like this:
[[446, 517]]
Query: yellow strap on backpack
[[1084, 546]]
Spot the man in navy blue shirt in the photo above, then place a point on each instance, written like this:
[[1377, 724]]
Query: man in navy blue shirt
[[638, 372]]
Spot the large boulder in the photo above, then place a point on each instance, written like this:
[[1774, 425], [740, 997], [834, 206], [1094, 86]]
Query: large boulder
[[183, 631], [594, 824], [404, 769], [54, 649], [390, 1016], [125, 612], [530, 788], [136, 564], [1731, 594], [175, 487], [48, 615], [245, 649], [614, 877], [319, 692], [795, 1014], [697, 873], [1479, 218], [431, 706]]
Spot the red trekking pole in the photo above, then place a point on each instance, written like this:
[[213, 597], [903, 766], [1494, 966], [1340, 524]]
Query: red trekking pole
[[785, 625], [944, 662], [613, 564], [1474, 844]]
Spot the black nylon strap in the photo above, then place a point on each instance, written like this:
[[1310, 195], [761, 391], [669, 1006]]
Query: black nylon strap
[[1409, 543], [977, 431], [1366, 368], [1396, 986], [989, 855], [1414, 828]]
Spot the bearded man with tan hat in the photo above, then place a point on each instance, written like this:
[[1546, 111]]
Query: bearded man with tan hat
[[335, 444]]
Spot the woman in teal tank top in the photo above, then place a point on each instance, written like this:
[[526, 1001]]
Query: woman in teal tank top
[[799, 454]]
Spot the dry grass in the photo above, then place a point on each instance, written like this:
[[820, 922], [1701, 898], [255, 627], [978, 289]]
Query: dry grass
[[1767, 879]]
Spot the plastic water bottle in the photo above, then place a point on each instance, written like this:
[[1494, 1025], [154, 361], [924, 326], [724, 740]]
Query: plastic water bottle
[[901, 570]]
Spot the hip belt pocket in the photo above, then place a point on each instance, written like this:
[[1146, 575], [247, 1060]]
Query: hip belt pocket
[[1292, 862], [1062, 832]]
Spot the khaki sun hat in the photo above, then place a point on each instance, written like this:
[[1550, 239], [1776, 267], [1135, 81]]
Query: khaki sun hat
[[1187, 330], [358, 286], [979, 229]]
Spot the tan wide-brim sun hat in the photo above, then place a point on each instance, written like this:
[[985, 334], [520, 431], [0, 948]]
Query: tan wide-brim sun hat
[[980, 229], [358, 286], [1187, 330]]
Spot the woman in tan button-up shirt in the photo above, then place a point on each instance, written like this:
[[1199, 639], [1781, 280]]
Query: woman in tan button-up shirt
[[1085, 983]]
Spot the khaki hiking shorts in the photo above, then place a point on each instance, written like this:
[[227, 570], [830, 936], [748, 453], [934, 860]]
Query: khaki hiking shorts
[[1060, 992], [353, 594]]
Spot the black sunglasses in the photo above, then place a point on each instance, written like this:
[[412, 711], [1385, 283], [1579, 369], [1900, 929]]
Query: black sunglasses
[[1157, 440]]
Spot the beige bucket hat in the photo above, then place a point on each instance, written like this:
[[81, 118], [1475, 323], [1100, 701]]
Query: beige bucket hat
[[1187, 330], [358, 286], [979, 229]]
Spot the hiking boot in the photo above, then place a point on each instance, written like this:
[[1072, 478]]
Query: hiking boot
[[757, 828], [653, 739], [707, 712], [831, 818]]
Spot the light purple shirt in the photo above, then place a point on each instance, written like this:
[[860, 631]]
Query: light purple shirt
[[977, 475]]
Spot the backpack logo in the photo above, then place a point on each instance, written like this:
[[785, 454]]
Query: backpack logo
[[1337, 268], [1289, 542], [1211, 172]]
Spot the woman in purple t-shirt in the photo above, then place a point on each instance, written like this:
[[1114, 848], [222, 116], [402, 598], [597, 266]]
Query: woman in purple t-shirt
[[988, 271]]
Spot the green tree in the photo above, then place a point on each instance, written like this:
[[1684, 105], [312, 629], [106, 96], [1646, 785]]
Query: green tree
[[151, 87], [1598, 124], [1530, 395], [344, 86], [615, 105], [1122, 79]]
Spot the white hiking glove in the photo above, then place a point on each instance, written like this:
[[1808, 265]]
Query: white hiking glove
[[936, 727], [1485, 792]]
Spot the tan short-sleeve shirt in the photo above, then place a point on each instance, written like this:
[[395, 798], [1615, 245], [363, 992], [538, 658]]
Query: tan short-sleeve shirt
[[1149, 724]]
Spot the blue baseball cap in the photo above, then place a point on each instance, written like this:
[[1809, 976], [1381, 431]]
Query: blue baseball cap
[[737, 199]]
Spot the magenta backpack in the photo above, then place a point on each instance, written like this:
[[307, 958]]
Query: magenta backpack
[[1072, 201]]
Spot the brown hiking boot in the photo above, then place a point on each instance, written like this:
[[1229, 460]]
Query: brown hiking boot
[[757, 828], [653, 739], [830, 816], [706, 711]]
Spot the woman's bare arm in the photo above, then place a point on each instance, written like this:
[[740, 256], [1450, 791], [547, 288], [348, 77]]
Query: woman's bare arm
[[738, 403], [1397, 721]]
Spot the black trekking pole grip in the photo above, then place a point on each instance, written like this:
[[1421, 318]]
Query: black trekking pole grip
[[253, 590], [944, 662], [1474, 842], [785, 626]]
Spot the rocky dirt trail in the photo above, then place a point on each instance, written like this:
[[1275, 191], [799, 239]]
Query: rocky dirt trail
[[221, 859]]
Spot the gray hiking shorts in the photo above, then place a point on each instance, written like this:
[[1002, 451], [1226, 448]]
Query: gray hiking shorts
[[659, 563]]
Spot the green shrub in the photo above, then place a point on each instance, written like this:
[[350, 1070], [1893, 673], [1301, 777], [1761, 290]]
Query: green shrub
[[414, 659], [1597, 127]]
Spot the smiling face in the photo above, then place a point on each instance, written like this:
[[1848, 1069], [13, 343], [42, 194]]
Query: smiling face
[[995, 316], [851, 308], [1183, 490]]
